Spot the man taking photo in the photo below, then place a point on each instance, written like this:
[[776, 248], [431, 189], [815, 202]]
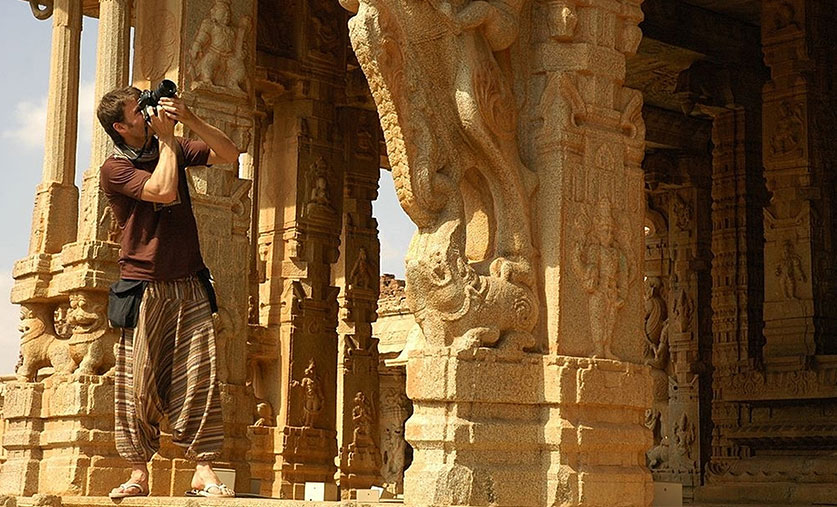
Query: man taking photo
[[166, 364]]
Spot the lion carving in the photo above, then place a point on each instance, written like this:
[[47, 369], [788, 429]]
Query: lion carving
[[40, 345], [92, 342]]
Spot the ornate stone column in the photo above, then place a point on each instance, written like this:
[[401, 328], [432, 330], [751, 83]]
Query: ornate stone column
[[799, 310], [30, 436], [677, 324], [357, 273], [524, 214], [737, 269], [56, 200]]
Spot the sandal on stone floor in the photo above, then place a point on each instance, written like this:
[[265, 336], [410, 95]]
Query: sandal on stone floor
[[126, 487], [221, 491]]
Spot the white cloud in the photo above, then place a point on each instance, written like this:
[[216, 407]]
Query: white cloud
[[29, 124], [9, 322]]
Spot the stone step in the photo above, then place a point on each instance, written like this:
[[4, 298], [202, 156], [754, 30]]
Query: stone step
[[161, 501]]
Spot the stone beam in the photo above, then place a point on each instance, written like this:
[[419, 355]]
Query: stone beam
[[719, 37], [673, 130]]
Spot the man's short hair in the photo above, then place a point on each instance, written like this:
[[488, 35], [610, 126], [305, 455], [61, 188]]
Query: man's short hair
[[112, 109]]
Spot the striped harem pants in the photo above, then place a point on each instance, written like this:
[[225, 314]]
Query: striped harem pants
[[166, 366]]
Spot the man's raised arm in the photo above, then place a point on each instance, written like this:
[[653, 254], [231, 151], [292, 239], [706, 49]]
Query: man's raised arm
[[222, 149]]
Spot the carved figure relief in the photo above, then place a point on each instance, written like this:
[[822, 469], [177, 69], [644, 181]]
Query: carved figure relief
[[219, 52], [440, 122], [682, 312], [312, 395], [656, 325], [59, 317], [264, 414], [319, 200], [602, 265], [155, 39], [40, 346], [783, 16], [789, 269], [362, 420], [92, 341], [563, 19], [789, 130], [361, 275], [395, 408], [114, 231], [682, 212]]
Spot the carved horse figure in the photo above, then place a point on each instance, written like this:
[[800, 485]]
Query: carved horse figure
[[450, 121]]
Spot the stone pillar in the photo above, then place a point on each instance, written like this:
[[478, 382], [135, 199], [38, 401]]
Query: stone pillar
[[799, 310], [301, 213], [490, 183], [56, 200], [357, 273], [737, 268], [588, 152], [677, 326]]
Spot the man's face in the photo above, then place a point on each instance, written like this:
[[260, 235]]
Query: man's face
[[132, 127]]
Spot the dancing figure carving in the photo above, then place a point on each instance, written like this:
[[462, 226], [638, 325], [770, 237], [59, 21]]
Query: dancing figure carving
[[441, 80]]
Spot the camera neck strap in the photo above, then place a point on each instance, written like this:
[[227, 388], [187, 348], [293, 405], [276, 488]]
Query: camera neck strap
[[150, 150]]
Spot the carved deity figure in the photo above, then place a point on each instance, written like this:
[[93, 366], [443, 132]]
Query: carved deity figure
[[682, 312], [114, 231], [361, 275], [684, 436], [601, 263], [218, 52], [395, 408], [59, 317], [656, 325], [682, 212], [312, 394], [40, 346], [789, 269], [790, 129], [362, 420], [92, 341]]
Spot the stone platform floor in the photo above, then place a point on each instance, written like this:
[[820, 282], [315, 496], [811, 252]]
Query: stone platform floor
[[101, 501]]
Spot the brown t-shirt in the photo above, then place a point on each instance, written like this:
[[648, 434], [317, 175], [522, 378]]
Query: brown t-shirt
[[159, 241]]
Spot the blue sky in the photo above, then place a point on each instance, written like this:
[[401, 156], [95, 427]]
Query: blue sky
[[23, 96]]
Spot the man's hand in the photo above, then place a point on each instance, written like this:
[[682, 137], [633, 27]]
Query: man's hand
[[177, 110], [162, 124]]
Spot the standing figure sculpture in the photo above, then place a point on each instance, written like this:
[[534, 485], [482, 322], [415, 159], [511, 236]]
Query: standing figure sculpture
[[602, 265], [217, 54], [312, 394], [789, 270]]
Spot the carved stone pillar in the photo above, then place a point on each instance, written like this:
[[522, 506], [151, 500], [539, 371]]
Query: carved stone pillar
[[357, 273], [478, 174], [301, 202], [589, 141], [56, 201], [677, 326], [799, 125], [737, 269]]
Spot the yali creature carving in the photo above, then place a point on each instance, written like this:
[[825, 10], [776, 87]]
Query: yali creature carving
[[450, 125]]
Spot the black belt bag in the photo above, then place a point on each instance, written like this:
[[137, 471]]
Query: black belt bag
[[206, 279], [124, 298]]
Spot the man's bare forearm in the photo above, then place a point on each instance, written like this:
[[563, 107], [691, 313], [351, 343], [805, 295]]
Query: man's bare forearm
[[162, 185], [217, 140]]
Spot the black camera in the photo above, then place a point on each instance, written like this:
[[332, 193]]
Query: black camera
[[166, 88]]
